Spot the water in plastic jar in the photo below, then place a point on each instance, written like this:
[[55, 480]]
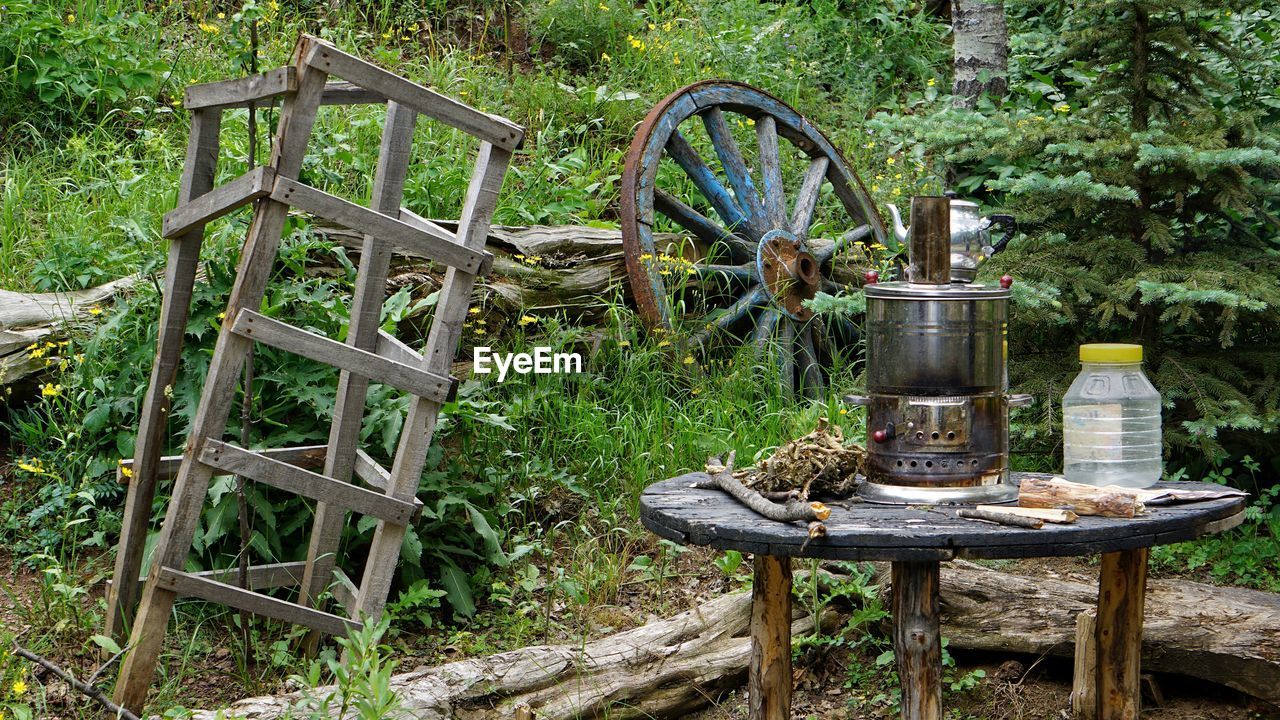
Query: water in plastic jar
[[1111, 420]]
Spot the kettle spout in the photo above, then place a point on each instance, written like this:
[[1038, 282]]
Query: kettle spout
[[899, 230]]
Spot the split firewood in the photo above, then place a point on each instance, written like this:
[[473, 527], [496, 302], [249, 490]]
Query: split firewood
[[1049, 515], [721, 473], [1082, 499], [995, 515]]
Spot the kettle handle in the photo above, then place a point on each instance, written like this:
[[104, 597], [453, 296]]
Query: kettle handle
[[1010, 227]]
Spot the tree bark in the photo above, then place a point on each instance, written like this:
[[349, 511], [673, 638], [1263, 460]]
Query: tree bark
[[1226, 635], [981, 45], [666, 669]]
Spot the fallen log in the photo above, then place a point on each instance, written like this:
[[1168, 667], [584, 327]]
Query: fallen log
[[665, 669], [28, 319], [1226, 635]]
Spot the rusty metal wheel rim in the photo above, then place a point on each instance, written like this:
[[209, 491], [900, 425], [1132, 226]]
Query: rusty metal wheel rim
[[747, 217]]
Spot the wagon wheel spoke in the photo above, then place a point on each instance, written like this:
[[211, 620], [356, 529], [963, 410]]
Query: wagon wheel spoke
[[807, 197], [736, 169], [740, 273], [775, 200], [755, 296], [763, 332], [702, 227], [811, 380], [717, 194], [825, 253], [786, 356]]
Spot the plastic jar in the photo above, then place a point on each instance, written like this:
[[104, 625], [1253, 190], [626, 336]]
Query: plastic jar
[[1111, 420]]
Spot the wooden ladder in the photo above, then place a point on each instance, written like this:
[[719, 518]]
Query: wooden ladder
[[367, 355]]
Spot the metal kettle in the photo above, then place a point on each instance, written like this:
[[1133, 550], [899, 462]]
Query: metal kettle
[[971, 242]]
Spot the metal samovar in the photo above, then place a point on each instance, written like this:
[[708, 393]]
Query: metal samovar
[[937, 388]]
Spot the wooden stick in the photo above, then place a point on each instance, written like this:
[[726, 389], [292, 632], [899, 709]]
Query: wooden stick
[[917, 638], [85, 689], [1084, 681], [722, 475], [1049, 515], [1083, 499], [769, 676], [1122, 589], [1001, 518]]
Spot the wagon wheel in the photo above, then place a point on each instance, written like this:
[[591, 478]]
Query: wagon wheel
[[757, 261]]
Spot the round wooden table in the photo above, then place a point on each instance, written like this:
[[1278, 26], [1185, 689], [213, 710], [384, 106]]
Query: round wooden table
[[915, 539]]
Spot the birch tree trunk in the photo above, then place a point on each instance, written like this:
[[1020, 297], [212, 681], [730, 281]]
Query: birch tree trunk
[[981, 41]]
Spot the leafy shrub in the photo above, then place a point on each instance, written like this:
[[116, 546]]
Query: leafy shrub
[[585, 31], [63, 69]]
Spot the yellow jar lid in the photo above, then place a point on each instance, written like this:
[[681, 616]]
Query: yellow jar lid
[[1111, 353]]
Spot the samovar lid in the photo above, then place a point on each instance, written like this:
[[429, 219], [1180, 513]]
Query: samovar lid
[[899, 290]]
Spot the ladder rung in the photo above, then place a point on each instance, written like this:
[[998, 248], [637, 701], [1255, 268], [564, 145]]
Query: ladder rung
[[195, 586], [499, 131], [218, 202], [441, 246], [344, 591], [303, 456], [344, 93], [237, 460], [390, 347], [371, 473], [354, 360], [261, 577], [237, 93]]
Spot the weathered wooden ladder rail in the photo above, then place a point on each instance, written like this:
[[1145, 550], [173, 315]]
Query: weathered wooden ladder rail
[[324, 473]]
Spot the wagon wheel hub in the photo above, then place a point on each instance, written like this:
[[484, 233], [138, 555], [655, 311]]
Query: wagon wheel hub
[[789, 271]]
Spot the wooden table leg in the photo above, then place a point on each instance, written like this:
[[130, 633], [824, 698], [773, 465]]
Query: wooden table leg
[[769, 681], [1122, 590], [917, 639]]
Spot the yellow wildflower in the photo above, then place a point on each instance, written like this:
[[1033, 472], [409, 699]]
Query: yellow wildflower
[[32, 467], [932, 82], [688, 360], [624, 343], [222, 316], [666, 26], [210, 28], [897, 192], [875, 188], [20, 687], [528, 320], [480, 331], [603, 7], [845, 411], [50, 390], [38, 352], [222, 16], [386, 36], [95, 310], [652, 26], [695, 391], [126, 471], [1063, 108], [664, 343], [474, 311], [604, 57], [890, 161], [71, 17], [869, 145], [675, 58]]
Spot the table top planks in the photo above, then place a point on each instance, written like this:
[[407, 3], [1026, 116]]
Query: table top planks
[[675, 510]]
